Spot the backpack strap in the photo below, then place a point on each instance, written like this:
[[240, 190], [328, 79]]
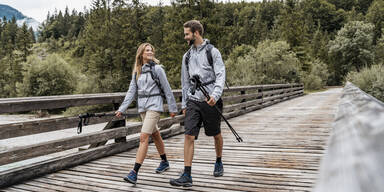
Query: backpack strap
[[208, 49], [156, 78], [187, 59], [137, 88]]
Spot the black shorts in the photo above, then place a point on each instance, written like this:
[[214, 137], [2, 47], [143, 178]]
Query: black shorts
[[199, 113]]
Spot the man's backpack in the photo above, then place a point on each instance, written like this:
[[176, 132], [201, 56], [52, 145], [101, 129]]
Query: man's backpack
[[208, 49]]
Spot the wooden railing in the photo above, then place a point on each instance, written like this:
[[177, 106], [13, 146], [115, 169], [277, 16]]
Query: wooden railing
[[354, 160], [237, 101]]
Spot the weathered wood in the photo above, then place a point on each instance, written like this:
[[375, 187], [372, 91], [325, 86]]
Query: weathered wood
[[10, 105], [110, 125], [12, 130], [40, 126], [100, 137], [30, 151], [277, 94], [355, 155], [281, 152], [13, 176]]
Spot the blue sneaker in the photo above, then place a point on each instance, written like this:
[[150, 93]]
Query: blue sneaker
[[219, 170], [164, 165], [185, 180], [131, 177]]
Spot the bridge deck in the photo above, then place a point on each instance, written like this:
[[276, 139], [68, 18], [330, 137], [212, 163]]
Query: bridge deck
[[282, 148]]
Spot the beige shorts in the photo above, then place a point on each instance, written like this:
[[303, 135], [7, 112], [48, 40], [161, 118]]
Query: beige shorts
[[150, 119]]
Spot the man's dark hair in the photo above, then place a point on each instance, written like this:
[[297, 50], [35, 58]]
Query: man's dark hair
[[194, 25]]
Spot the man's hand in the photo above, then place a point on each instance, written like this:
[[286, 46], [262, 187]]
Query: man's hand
[[211, 101], [172, 115], [118, 114], [184, 110]]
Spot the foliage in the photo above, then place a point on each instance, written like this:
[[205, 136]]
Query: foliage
[[271, 62], [370, 80], [352, 48], [51, 76]]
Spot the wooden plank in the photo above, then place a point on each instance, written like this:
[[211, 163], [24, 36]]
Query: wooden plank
[[10, 177], [11, 105], [354, 159], [40, 126], [54, 124], [222, 183], [22, 153], [30, 187], [13, 189], [30, 151]]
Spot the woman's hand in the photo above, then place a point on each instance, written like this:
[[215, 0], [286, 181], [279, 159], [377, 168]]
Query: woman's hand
[[118, 114], [172, 115]]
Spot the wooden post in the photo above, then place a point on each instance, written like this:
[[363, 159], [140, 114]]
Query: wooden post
[[243, 100], [110, 125]]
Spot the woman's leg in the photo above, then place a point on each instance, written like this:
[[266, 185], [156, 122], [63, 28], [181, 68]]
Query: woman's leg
[[140, 155], [143, 148], [158, 142]]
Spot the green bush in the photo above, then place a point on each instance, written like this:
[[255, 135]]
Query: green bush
[[271, 62], [312, 82], [50, 76], [317, 78], [238, 70], [370, 80]]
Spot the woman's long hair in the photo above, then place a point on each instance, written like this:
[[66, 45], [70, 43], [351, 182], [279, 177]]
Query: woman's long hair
[[139, 62]]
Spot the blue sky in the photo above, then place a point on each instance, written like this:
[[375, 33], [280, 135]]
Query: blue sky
[[38, 9]]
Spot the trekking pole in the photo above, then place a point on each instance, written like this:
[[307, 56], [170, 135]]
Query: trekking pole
[[84, 118], [196, 79]]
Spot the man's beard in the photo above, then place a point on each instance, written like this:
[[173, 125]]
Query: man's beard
[[191, 42]]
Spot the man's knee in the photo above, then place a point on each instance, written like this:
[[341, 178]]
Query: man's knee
[[189, 138], [218, 137]]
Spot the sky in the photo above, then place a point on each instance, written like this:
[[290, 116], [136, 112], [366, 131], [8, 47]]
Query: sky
[[38, 9]]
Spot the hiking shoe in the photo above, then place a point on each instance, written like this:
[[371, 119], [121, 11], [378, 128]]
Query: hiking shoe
[[185, 180], [219, 169], [131, 177], [164, 165]]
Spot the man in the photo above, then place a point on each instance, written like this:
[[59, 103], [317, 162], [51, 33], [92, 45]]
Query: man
[[197, 109]]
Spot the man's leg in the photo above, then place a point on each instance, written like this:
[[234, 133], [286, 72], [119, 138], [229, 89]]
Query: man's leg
[[185, 179], [219, 169], [189, 146], [192, 125], [211, 119], [218, 145]]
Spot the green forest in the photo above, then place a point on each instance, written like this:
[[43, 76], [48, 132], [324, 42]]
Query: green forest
[[315, 42]]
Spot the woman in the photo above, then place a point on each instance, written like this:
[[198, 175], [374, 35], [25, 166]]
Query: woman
[[150, 105]]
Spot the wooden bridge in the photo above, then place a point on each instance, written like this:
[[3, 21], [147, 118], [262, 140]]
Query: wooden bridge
[[285, 136]]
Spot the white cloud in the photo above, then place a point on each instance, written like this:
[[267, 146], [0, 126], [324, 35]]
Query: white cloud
[[38, 9]]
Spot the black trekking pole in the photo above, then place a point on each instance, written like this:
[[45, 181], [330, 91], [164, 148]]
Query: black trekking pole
[[84, 118], [198, 85]]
